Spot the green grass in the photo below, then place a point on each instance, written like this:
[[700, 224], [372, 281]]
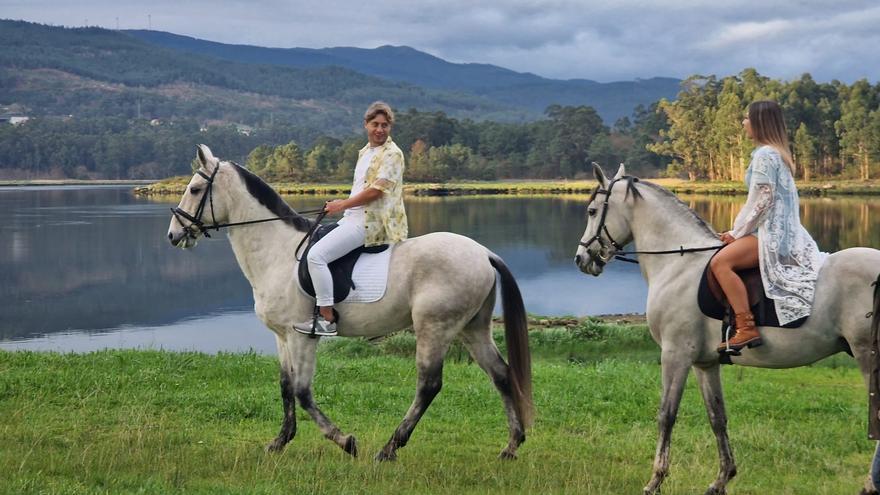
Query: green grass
[[162, 422], [176, 186]]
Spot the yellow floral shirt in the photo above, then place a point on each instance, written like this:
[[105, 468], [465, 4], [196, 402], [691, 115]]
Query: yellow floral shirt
[[385, 221]]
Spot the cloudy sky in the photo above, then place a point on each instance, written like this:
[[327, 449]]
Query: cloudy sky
[[603, 40]]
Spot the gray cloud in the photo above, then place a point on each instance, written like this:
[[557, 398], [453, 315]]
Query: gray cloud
[[591, 39]]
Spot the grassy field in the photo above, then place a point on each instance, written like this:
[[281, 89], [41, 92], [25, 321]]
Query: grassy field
[[162, 422], [176, 185]]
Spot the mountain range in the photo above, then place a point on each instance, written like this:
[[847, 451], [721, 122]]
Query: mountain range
[[408, 65], [90, 72]]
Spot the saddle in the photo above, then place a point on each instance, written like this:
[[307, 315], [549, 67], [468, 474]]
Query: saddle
[[712, 303], [341, 269]]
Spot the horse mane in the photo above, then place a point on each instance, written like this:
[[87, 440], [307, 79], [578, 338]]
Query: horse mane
[[699, 221], [269, 198]]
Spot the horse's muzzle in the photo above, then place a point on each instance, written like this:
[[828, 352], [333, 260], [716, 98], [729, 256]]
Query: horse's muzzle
[[182, 239]]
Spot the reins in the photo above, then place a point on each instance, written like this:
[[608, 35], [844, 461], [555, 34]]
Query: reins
[[680, 251], [208, 197], [620, 254]]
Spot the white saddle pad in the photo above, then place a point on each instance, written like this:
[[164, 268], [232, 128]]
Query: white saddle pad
[[370, 277]]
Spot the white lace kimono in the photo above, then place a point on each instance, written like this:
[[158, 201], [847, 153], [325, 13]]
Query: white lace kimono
[[789, 258]]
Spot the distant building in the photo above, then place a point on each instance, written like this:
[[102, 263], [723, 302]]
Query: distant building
[[244, 129], [155, 122], [13, 119]]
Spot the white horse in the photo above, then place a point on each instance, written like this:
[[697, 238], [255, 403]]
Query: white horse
[[656, 220], [441, 284]]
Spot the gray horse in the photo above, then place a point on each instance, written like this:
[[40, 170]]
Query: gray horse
[[657, 220], [441, 284]]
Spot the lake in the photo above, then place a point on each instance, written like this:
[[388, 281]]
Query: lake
[[89, 267]]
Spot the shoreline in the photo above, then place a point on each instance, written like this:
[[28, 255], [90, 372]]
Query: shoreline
[[74, 182], [177, 185]]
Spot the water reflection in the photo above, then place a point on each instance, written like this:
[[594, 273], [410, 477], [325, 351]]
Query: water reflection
[[91, 260], [835, 222]]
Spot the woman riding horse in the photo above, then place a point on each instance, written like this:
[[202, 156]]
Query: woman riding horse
[[374, 213], [768, 233]]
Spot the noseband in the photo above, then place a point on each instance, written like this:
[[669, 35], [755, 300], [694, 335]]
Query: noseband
[[196, 225]]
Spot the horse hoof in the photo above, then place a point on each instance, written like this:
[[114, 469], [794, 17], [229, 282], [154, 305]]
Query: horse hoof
[[350, 446], [383, 456], [715, 491], [651, 490], [507, 455], [276, 445]]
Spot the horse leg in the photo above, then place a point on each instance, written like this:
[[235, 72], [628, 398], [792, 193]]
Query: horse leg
[[303, 364], [288, 424], [862, 352], [674, 370], [710, 387], [477, 337], [430, 353]]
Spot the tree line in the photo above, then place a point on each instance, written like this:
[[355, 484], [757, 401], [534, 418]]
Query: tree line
[[834, 128], [439, 148], [118, 148]]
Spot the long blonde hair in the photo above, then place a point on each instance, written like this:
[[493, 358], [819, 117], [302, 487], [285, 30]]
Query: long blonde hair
[[768, 127]]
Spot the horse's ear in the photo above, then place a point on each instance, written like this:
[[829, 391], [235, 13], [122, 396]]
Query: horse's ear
[[620, 172], [599, 174], [204, 155]]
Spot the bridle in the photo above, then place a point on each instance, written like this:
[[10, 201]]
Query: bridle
[[197, 226], [619, 253], [196, 219], [599, 260]]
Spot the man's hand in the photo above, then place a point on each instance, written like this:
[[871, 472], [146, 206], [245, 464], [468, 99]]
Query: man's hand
[[335, 206]]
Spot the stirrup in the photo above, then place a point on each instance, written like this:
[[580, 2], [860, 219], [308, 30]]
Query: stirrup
[[724, 348], [314, 330]]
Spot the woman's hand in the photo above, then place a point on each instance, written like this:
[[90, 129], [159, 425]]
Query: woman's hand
[[726, 237], [335, 206]]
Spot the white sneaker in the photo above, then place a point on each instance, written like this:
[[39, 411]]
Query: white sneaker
[[323, 327]]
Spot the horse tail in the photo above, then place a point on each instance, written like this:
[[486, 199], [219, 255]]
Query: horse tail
[[516, 334]]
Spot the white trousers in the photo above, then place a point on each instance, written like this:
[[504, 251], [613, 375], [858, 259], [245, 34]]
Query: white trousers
[[340, 241]]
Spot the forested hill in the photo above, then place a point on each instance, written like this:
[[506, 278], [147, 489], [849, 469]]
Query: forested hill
[[405, 64], [93, 72]]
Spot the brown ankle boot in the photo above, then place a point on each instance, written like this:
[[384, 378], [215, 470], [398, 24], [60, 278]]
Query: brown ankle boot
[[746, 333]]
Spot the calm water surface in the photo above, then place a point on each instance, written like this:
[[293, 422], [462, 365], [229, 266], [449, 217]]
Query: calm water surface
[[85, 268]]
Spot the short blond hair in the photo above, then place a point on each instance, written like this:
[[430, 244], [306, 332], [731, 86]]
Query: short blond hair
[[376, 108]]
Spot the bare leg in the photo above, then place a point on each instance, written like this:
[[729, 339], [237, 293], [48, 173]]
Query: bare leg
[[674, 370], [327, 313], [477, 336], [738, 255], [710, 387], [429, 360]]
